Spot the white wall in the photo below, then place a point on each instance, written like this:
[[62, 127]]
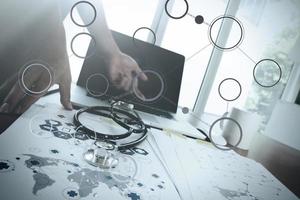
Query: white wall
[[284, 124]]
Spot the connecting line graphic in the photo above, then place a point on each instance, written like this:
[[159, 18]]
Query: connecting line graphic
[[170, 101], [227, 107], [201, 20], [198, 52], [245, 54], [190, 15], [201, 120], [191, 113], [71, 55]]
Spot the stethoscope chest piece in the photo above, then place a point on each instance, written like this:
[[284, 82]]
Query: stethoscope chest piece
[[101, 156], [103, 152]]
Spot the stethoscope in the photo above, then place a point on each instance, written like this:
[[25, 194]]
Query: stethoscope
[[122, 114]]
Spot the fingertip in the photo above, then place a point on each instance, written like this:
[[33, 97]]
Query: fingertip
[[144, 77], [141, 95], [65, 89], [68, 106]]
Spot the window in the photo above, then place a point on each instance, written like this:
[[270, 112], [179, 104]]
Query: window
[[190, 39], [126, 16], [261, 35], [270, 31]]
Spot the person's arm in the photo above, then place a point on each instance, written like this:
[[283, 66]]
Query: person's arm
[[99, 29], [122, 69], [46, 44]]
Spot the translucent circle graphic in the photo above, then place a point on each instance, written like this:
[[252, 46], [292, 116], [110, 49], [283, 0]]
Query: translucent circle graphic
[[211, 132], [78, 137], [97, 85], [81, 4], [80, 40], [82, 139], [29, 78], [231, 84], [126, 170], [266, 77], [139, 30], [150, 90], [237, 32], [41, 125], [179, 16]]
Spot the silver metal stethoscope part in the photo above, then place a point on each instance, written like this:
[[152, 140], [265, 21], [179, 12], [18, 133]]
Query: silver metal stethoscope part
[[100, 158], [105, 145], [103, 152]]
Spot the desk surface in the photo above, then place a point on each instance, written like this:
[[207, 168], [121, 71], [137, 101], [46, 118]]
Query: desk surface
[[46, 164], [78, 95]]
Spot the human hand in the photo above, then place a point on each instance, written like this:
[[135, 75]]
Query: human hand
[[123, 71], [33, 82]]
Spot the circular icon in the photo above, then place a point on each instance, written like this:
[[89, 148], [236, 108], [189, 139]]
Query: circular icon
[[236, 27], [219, 120], [97, 85], [29, 77], [125, 171], [199, 19], [144, 28], [83, 3], [177, 17], [185, 110], [150, 90], [230, 89], [81, 39], [267, 73]]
